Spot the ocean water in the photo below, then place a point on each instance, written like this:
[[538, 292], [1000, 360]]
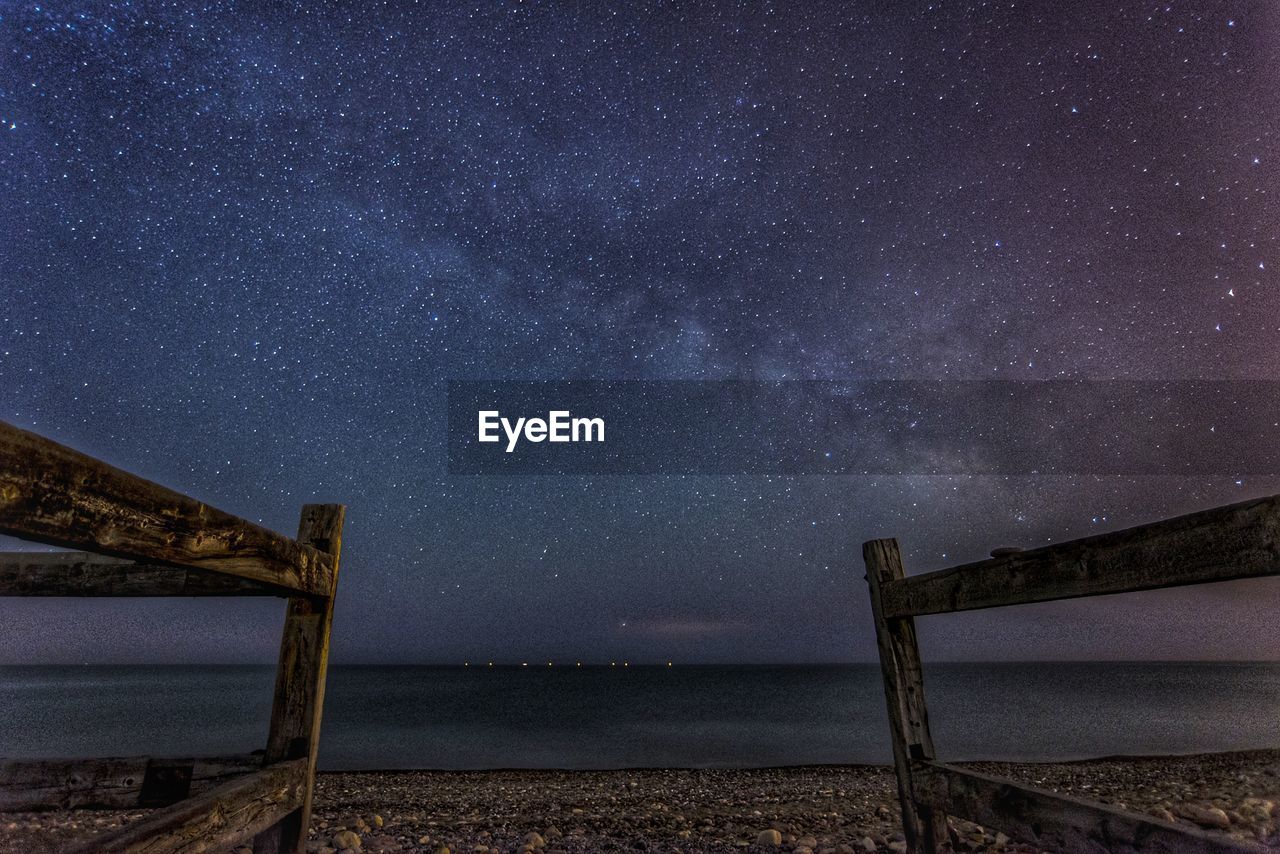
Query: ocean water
[[600, 717]]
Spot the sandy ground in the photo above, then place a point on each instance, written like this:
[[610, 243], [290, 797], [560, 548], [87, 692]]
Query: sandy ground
[[819, 809]]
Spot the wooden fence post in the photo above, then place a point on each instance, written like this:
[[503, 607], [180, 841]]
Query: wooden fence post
[[925, 828], [300, 677]]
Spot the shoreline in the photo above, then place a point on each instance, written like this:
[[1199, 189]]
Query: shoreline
[[823, 809], [870, 766]]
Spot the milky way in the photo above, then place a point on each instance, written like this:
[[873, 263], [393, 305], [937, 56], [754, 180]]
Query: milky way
[[242, 252]]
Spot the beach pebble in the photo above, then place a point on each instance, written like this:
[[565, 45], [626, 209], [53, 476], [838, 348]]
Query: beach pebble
[[347, 839], [806, 842], [869, 844], [533, 839], [1261, 809], [769, 839], [1205, 816]]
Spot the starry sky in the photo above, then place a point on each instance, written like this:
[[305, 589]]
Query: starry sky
[[244, 248]]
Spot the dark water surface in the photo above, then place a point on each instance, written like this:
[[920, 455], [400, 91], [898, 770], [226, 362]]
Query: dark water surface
[[599, 717]]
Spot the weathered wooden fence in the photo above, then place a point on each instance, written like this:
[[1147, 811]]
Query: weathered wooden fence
[[1236, 541], [146, 540]]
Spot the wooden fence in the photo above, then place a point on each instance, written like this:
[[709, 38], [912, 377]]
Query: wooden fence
[[1236, 541], [145, 540]]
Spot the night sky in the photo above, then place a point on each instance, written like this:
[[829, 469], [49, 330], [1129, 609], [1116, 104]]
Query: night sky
[[242, 250]]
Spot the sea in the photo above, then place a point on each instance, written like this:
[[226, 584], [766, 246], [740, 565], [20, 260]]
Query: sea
[[378, 717]]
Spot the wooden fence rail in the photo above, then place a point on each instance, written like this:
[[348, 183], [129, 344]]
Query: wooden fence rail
[[1236, 541], [114, 783], [87, 574], [145, 540]]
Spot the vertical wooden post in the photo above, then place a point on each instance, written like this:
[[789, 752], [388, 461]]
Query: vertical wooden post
[[300, 676], [925, 828]]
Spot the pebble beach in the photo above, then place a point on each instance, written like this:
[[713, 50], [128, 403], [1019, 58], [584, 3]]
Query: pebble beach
[[807, 810]]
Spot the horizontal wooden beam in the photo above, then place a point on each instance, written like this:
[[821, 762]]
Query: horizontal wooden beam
[[87, 574], [1222, 544], [56, 495], [114, 783], [1059, 822], [221, 818]]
